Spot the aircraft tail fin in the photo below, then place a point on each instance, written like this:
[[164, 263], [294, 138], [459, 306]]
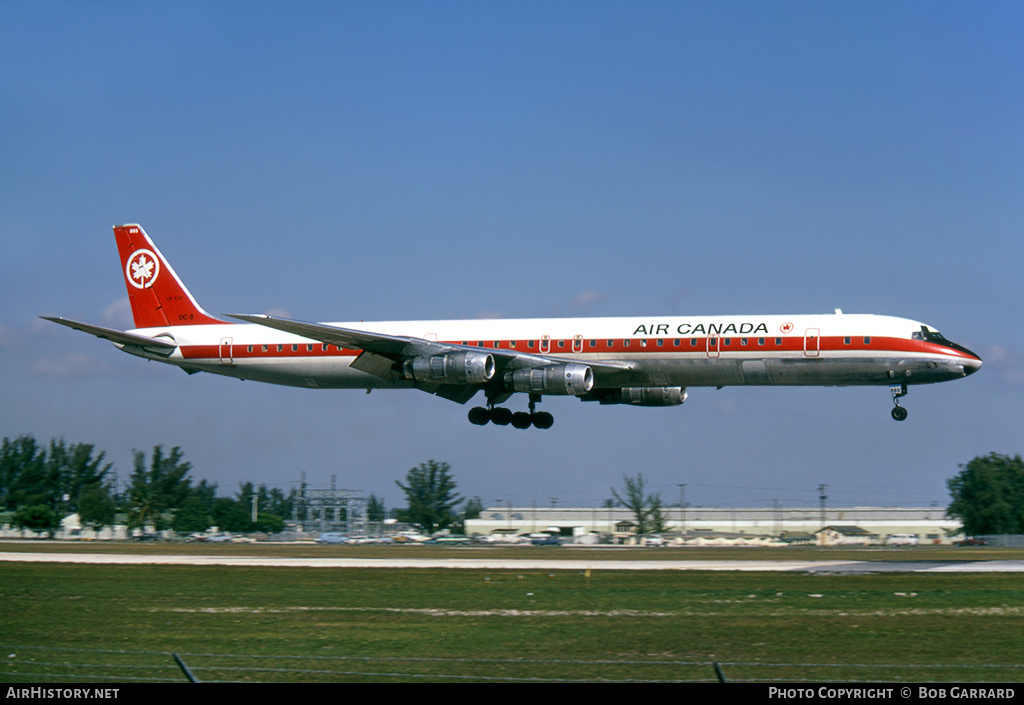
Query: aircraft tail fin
[[157, 296]]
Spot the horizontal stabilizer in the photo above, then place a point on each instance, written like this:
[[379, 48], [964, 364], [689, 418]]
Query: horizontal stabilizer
[[153, 345]]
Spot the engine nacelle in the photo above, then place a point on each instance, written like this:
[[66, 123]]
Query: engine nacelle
[[456, 367], [647, 396], [570, 378]]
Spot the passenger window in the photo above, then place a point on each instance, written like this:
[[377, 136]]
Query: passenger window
[[867, 340]]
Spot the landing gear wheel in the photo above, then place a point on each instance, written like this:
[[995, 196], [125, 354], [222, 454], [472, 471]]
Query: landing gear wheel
[[500, 416], [479, 416], [543, 419], [521, 420], [898, 391]]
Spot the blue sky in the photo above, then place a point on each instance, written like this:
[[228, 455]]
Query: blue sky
[[401, 160]]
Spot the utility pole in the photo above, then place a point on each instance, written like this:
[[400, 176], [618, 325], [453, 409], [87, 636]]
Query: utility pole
[[821, 499], [682, 507]]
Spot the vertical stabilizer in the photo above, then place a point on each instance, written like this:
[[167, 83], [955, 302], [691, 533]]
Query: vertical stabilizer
[[157, 296]]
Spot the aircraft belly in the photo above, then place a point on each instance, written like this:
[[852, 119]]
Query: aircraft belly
[[318, 374], [859, 371], [334, 373], [794, 371]]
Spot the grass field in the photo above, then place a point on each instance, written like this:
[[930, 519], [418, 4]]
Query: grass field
[[100, 623]]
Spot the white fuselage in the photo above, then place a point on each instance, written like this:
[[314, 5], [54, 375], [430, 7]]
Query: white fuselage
[[835, 349]]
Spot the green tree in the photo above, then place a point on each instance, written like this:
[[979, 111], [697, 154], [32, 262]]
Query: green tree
[[156, 490], [56, 477], [23, 479], [96, 507], [37, 517], [646, 508], [72, 470], [988, 495], [269, 503], [230, 515], [430, 492], [193, 515], [376, 512]]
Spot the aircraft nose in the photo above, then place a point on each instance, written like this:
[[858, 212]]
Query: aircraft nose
[[971, 364]]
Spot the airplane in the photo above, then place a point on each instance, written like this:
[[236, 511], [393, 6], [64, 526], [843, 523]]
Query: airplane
[[648, 361]]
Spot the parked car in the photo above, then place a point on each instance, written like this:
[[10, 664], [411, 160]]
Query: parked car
[[971, 541], [902, 540], [332, 537], [545, 540]]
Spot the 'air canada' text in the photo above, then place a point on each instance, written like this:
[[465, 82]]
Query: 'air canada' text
[[702, 329]]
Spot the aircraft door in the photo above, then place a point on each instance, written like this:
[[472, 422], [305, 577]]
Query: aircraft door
[[812, 342], [713, 346], [225, 351]]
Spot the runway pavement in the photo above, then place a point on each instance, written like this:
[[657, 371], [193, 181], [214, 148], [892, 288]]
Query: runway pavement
[[540, 563]]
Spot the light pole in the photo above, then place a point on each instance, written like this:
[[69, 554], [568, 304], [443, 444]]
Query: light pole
[[682, 508]]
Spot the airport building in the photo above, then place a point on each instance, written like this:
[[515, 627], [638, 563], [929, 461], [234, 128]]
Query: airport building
[[722, 525]]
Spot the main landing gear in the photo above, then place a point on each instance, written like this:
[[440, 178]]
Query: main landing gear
[[898, 391], [500, 416]]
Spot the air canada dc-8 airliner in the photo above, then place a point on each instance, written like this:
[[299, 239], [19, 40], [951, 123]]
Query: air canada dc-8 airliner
[[646, 361]]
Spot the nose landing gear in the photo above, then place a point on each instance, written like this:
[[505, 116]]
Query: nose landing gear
[[898, 391]]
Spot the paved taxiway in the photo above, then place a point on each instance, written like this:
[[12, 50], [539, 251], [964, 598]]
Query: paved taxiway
[[523, 563]]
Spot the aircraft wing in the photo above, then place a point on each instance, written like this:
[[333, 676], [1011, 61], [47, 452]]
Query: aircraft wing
[[380, 351], [334, 335], [157, 346]]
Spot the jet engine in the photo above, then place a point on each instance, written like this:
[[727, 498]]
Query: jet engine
[[645, 396], [570, 378], [455, 367]]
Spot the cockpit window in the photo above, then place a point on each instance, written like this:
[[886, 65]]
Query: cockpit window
[[932, 336]]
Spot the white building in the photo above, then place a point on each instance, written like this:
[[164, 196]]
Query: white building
[[930, 524]]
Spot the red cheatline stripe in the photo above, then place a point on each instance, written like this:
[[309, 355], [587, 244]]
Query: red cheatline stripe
[[695, 347]]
